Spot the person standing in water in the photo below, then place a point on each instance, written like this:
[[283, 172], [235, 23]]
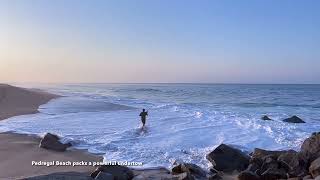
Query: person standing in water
[[143, 116]]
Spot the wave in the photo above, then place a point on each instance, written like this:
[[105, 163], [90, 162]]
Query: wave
[[316, 106]]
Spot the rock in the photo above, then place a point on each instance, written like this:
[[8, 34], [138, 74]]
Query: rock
[[118, 172], [273, 169], [215, 177], [152, 173], [296, 162], [183, 176], [104, 176], [191, 169], [51, 142], [248, 175], [255, 165], [307, 177], [266, 118], [314, 168], [294, 178], [294, 119], [310, 148], [261, 153], [62, 176], [214, 174], [273, 173], [228, 159]]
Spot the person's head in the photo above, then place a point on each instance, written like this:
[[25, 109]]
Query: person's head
[[143, 110]]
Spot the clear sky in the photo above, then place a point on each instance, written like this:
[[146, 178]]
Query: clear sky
[[204, 41]]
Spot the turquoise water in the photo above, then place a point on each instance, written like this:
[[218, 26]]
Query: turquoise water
[[185, 121]]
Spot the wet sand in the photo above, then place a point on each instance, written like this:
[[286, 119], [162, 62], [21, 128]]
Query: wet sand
[[18, 151]]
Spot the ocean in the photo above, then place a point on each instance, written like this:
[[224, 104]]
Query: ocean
[[185, 122]]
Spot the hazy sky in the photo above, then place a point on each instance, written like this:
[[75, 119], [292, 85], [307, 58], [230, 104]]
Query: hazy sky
[[216, 41]]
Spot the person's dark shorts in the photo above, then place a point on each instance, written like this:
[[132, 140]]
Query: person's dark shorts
[[143, 121]]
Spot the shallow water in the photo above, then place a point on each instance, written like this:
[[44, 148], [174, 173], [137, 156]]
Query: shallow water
[[186, 121]]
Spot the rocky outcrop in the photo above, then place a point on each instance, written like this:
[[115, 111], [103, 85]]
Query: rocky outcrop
[[62, 176], [266, 118], [118, 172], [314, 168], [310, 148], [192, 171], [294, 119], [51, 142], [227, 159], [286, 164]]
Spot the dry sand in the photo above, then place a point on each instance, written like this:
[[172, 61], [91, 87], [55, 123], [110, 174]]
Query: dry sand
[[18, 151], [16, 101]]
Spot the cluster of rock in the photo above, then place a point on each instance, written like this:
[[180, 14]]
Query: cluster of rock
[[259, 165], [293, 119], [290, 164]]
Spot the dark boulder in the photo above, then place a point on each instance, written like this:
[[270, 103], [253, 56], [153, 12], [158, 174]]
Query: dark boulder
[[191, 169], [310, 148], [294, 119], [266, 118], [248, 175], [118, 172], [62, 176], [51, 142], [296, 162], [314, 168], [228, 159]]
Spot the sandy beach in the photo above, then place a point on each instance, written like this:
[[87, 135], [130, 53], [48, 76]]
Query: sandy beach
[[18, 151], [16, 101]]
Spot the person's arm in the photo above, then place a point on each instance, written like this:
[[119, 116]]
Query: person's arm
[[147, 113]]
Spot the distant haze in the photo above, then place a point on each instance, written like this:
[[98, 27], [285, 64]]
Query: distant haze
[[205, 41]]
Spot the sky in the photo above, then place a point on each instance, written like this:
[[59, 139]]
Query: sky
[[160, 41]]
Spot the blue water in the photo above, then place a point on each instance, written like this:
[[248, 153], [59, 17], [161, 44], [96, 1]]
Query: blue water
[[186, 121]]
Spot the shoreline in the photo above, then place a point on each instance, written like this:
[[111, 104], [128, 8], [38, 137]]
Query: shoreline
[[15, 101], [19, 150]]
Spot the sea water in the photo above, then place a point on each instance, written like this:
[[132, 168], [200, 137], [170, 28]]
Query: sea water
[[185, 122]]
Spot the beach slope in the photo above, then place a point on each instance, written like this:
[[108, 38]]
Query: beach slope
[[16, 101], [18, 151]]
